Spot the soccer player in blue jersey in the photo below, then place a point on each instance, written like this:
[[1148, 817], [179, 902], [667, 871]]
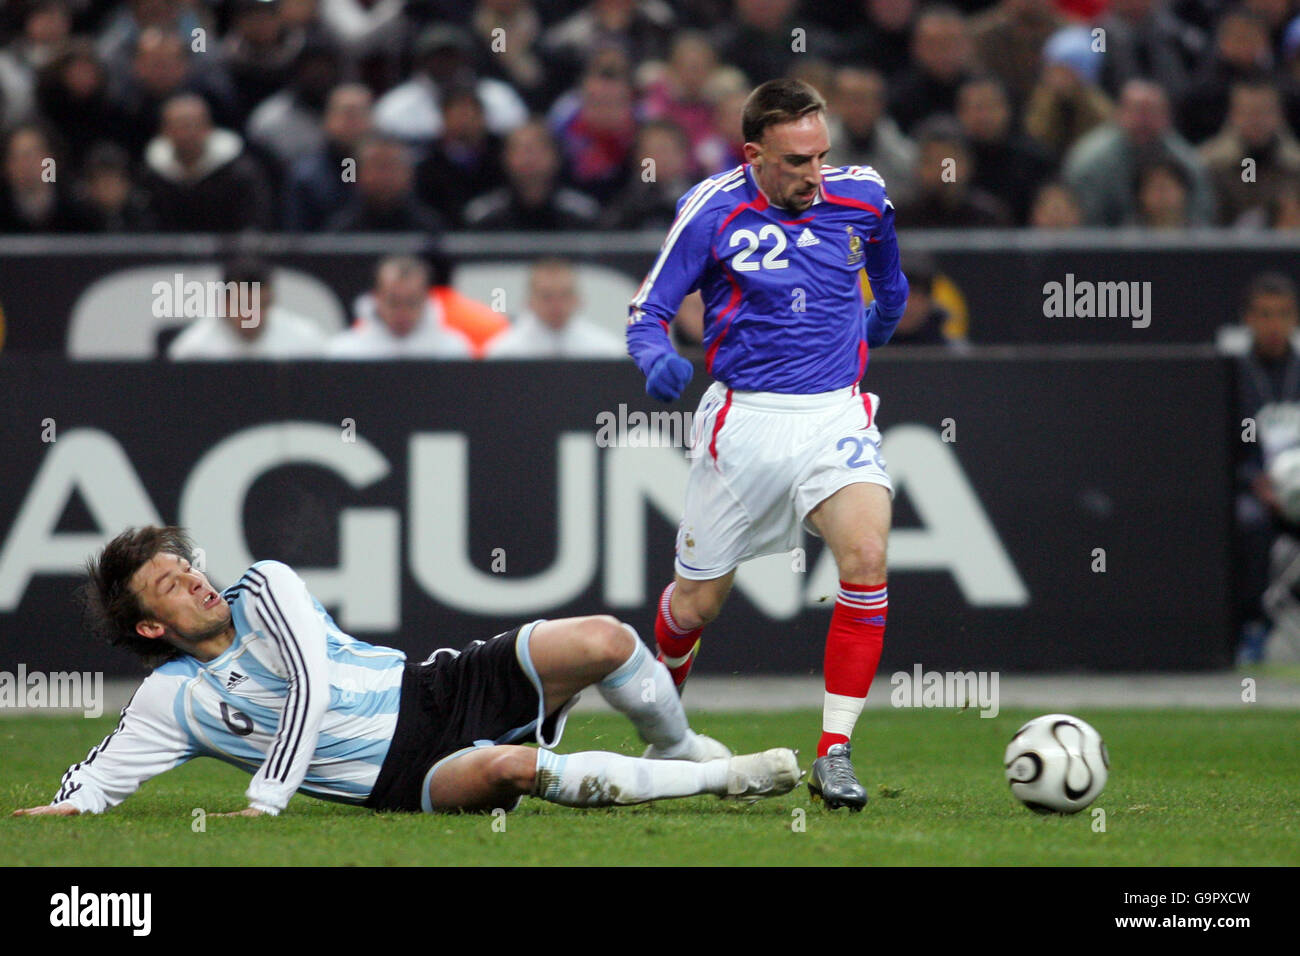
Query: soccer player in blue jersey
[[783, 437], [260, 676]]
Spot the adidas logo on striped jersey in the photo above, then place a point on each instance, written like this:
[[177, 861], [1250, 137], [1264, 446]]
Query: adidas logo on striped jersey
[[235, 679], [806, 238]]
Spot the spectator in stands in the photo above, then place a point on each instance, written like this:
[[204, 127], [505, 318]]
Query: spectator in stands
[[508, 34], [1067, 104], [639, 29], [551, 326], [727, 91], [661, 174], [946, 196], [862, 133], [162, 68], [371, 34], [398, 320], [43, 39], [289, 124], [315, 190], [1242, 51], [1055, 207], [444, 58], [596, 136], [1009, 42], [119, 39], [1253, 157], [464, 161], [924, 320], [1163, 189], [1008, 165], [47, 26], [33, 197], [259, 51], [942, 59], [679, 92], [1102, 167], [532, 199], [113, 201], [251, 326], [1146, 40], [1268, 395], [198, 177], [759, 38], [384, 199], [72, 93], [882, 37]]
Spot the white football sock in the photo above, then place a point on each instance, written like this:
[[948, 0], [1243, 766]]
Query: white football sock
[[642, 689], [598, 779]]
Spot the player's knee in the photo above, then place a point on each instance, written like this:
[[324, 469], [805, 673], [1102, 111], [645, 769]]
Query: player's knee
[[513, 768], [608, 640], [864, 562], [703, 607]]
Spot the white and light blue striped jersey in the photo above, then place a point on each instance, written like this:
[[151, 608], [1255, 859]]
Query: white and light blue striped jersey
[[294, 701]]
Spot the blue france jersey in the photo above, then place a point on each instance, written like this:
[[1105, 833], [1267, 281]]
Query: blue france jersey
[[294, 701], [783, 308]]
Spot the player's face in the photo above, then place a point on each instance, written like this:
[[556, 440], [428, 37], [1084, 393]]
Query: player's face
[[788, 161], [179, 601]]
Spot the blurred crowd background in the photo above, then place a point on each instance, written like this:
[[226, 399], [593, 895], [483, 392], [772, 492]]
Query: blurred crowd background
[[433, 115]]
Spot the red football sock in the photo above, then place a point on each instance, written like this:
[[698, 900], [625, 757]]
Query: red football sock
[[853, 645], [674, 642]]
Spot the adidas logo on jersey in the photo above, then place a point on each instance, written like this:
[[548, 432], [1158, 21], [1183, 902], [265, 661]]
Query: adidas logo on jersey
[[806, 238], [235, 679]]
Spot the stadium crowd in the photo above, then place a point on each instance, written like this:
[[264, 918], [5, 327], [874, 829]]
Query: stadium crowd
[[435, 115]]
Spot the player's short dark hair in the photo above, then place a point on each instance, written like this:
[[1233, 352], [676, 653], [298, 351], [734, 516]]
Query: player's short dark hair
[[110, 609], [778, 101], [1269, 283]]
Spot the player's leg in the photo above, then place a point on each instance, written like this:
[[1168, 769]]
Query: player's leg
[[685, 607], [482, 778], [571, 654], [485, 778], [854, 521]]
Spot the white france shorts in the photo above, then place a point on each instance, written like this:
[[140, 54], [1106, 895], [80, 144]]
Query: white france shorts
[[761, 461]]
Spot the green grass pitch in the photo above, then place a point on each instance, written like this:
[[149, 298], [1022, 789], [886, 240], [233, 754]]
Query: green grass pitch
[[1205, 788]]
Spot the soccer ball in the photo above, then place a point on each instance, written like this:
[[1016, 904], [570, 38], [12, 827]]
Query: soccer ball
[[1056, 764]]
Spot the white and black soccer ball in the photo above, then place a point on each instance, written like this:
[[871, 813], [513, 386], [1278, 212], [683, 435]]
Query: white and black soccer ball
[[1056, 764], [1284, 471]]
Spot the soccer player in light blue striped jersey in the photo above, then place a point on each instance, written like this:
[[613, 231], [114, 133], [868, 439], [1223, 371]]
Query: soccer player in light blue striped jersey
[[785, 440], [260, 676]]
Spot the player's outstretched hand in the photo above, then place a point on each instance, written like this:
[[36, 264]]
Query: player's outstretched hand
[[668, 377], [49, 810], [246, 812]]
